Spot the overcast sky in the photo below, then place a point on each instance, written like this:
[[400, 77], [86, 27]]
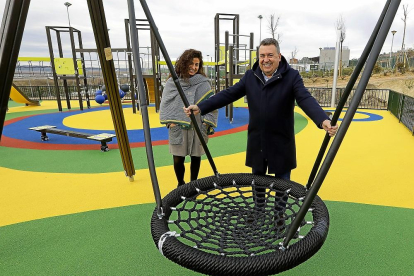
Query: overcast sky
[[304, 25]]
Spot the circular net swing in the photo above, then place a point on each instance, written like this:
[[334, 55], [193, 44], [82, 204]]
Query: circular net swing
[[217, 226], [244, 224]]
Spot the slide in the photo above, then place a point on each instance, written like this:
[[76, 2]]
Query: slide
[[19, 97]]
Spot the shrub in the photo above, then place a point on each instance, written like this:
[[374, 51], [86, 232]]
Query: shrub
[[401, 68], [347, 71], [377, 68]]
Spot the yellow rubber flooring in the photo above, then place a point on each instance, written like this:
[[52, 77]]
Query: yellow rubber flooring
[[373, 166]]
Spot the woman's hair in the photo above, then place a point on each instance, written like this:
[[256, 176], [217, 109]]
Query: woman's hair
[[183, 62]]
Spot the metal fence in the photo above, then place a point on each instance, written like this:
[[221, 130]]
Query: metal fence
[[48, 92], [402, 106], [372, 98]]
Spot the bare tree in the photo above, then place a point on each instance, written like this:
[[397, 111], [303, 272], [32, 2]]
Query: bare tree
[[273, 24], [340, 25], [294, 53], [404, 19]]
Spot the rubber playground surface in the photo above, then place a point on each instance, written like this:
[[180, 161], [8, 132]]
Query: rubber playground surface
[[66, 208]]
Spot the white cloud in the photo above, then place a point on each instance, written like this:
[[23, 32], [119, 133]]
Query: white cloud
[[304, 25]]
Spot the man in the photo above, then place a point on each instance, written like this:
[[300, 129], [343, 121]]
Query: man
[[271, 87]]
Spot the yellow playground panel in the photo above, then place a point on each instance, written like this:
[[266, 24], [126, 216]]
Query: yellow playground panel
[[242, 102], [65, 66]]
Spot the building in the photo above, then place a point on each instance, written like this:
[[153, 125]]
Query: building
[[327, 57], [306, 64]]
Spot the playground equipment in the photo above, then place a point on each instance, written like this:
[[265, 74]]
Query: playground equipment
[[13, 16], [100, 30], [121, 93], [26, 68], [103, 138], [220, 52], [78, 67], [152, 76], [99, 98], [233, 67], [14, 19], [214, 225], [275, 259], [67, 68], [19, 97], [228, 58]]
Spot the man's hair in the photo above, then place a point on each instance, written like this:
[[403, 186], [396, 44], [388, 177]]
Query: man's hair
[[271, 41], [184, 61]]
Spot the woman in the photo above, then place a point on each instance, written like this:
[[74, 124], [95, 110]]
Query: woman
[[182, 138]]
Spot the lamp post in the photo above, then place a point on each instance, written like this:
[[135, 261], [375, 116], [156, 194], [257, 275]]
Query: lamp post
[[208, 66], [211, 71], [320, 55], [260, 37], [392, 42], [67, 4]]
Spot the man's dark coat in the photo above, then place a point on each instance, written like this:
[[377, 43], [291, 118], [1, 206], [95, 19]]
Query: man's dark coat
[[271, 104]]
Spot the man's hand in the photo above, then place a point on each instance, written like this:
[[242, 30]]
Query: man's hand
[[194, 108], [331, 130]]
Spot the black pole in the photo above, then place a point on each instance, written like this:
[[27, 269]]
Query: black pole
[[75, 66], [347, 91], [55, 78], [177, 82], [144, 106], [130, 69], [333, 150], [11, 33], [65, 81], [85, 78]]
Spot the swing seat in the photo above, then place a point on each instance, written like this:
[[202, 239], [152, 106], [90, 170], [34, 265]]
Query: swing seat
[[235, 225]]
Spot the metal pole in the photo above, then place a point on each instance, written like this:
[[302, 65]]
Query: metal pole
[[347, 91], [260, 37], [335, 76], [379, 42], [75, 66], [11, 33], [392, 42], [100, 30], [177, 83], [67, 4], [208, 67], [55, 78], [144, 107]]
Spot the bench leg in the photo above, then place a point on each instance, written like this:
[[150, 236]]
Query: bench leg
[[44, 137], [104, 147]]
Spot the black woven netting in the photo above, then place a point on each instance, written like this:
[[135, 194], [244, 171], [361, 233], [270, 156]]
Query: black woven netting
[[235, 224]]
